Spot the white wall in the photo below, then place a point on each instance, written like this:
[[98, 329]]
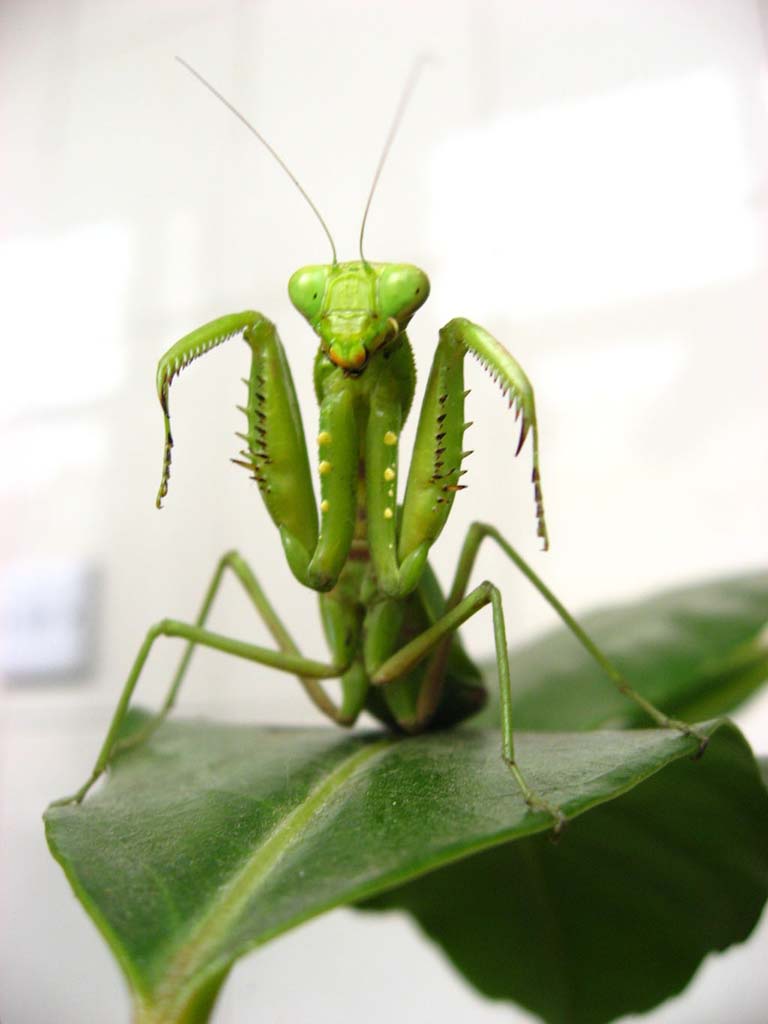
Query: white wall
[[586, 180]]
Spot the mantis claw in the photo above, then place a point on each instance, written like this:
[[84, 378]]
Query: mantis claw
[[693, 732], [514, 383], [79, 795], [537, 804], [177, 358]]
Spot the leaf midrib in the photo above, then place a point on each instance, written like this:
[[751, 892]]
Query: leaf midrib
[[194, 957]]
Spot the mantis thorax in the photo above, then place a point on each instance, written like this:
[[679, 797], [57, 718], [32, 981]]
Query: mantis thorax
[[356, 308]]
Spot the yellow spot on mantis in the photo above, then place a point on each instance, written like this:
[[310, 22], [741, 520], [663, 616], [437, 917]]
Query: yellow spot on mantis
[[389, 473], [323, 437], [324, 467], [324, 505], [387, 513], [391, 493], [390, 437]]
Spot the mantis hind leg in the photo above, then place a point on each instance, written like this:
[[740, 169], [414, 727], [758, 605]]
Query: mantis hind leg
[[287, 659], [442, 630], [434, 674]]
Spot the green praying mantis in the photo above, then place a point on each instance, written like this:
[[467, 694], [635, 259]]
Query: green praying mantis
[[391, 632]]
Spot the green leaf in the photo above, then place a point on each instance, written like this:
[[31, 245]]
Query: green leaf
[[617, 916], [695, 652], [211, 839]]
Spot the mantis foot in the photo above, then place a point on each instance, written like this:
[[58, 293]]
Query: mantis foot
[[693, 732], [536, 803], [664, 721], [78, 796], [558, 818], [118, 747]]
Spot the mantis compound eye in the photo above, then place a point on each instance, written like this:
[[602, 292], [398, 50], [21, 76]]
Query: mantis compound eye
[[402, 289], [306, 290]]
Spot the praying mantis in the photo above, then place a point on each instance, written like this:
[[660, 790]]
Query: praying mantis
[[391, 632]]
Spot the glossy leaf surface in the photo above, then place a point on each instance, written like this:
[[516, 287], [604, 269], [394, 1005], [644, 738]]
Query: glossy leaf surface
[[211, 839], [617, 916]]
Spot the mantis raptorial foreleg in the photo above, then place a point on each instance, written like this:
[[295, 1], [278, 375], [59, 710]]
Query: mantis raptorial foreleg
[[401, 662], [276, 451], [436, 466], [476, 534]]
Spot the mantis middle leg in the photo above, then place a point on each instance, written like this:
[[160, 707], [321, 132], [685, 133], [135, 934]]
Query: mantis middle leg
[[443, 629], [287, 659], [234, 561]]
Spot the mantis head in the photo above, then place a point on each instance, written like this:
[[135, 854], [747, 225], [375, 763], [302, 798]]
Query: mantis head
[[356, 308]]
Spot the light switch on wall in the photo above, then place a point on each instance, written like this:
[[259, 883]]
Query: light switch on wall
[[48, 620]]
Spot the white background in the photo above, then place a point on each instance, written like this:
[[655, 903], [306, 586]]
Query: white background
[[589, 181]]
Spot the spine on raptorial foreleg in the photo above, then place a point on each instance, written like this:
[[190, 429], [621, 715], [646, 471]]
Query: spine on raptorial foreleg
[[435, 473], [515, 387], [179, 356]]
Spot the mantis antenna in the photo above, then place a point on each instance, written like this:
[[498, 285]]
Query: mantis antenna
[[396, 120], [264, 143]]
